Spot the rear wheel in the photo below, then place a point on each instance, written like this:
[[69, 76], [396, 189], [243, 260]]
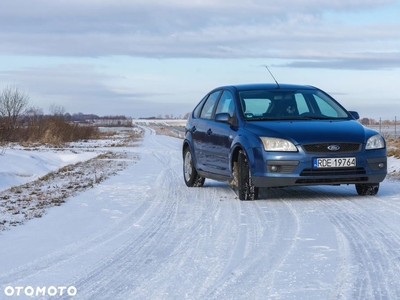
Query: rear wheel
[[246, 188], [190, 175], [367, 189]]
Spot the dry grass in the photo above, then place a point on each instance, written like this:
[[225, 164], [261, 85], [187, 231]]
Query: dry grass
[[54, 131], [393, 146]]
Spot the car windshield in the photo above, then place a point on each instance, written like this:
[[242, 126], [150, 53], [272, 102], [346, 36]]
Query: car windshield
[[290, 105]]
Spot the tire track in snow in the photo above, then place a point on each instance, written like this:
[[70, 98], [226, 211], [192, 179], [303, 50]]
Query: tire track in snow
[[186, 263], [183, 259], [244, 241], [121, 263], [130, 261], [368, 243], [260, 250], [73, 251], [372, 250]]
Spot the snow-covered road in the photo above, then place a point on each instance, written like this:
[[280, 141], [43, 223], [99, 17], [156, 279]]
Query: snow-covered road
[[143, 234]]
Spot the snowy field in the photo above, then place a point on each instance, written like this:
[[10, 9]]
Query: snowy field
[[163, 122], [142, 234]]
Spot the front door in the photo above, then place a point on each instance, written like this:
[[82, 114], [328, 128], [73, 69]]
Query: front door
[[219, 138]]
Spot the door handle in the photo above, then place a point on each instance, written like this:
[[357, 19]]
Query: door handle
[[209, 131]]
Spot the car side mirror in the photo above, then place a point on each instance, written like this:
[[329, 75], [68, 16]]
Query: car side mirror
[[223, 117], [355, 114]]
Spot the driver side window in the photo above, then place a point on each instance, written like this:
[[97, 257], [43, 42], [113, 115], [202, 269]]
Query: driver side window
[[226, 104]]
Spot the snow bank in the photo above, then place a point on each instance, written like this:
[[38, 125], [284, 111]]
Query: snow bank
[[18, 166], [393, 165]]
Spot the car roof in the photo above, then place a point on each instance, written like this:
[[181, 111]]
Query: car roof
[[268, 86]]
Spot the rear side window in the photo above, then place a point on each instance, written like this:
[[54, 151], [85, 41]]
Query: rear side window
[[197, 110], [208, 108]]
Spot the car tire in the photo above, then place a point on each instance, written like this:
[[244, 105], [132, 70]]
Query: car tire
[[246, 188], [190, 175], [367, 189]]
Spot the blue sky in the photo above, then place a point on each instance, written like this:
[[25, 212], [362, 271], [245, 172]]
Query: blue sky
[[149, 58]]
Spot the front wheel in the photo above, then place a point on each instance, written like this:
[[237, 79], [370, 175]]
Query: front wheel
[[246, 188], [367, 189], [190, 175]]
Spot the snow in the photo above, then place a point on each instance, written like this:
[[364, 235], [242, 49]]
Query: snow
[[18, 166], [393, 165], [142, 234], [163, 122]]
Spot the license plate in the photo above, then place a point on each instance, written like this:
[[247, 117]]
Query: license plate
[[337, 162]]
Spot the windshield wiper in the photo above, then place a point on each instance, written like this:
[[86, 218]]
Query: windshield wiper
[[315, 118], [263, 119]]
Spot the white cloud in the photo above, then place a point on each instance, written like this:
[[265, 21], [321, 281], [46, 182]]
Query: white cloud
[[219, 29], [77, 87]]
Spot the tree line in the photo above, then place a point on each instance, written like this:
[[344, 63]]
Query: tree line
[[20, 122], [369, 121]]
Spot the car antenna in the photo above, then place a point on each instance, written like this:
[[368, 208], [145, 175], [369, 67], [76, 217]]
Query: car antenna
[[273, 77]]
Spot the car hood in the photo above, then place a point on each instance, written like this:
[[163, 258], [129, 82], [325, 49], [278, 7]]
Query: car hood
[[312, 131]]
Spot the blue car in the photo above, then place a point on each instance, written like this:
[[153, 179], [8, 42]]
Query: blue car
[[279, 135]]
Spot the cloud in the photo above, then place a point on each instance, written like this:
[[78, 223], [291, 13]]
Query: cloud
[[369, 62], [80, 87], [208, 29]]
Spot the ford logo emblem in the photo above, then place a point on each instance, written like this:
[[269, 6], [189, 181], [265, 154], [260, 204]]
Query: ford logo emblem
[[333, 147]]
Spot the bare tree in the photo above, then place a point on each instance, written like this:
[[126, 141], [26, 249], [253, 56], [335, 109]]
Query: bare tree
[[33, 114], [365, 121], [57, 110], [13, 101]]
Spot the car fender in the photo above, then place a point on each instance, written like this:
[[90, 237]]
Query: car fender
[[188, 141], [247, 143]]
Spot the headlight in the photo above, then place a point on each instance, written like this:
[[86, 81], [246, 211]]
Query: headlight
[[275, 144], [375, 142]]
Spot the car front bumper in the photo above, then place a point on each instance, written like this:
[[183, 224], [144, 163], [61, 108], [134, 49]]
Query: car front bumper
[[277, 169]]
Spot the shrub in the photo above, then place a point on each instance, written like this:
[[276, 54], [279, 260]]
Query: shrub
[[393, 147], [54, 130]]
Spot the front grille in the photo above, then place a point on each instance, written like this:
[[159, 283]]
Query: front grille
[[323, 147], [333, 172]]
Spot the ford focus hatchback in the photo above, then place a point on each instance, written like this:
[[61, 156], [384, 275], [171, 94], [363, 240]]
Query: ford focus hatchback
[[270, 135]]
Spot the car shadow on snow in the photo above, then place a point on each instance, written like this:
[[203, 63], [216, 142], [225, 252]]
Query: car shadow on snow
[[324, 192], [309, 193], [303, 193]]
